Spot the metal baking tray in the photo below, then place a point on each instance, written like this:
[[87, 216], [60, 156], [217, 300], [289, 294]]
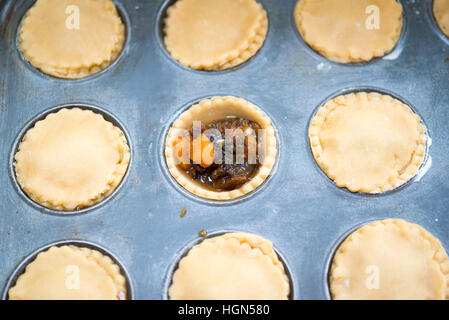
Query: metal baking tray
[[299, 208]]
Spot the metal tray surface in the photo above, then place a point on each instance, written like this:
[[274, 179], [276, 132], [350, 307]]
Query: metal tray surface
[[299, 209]]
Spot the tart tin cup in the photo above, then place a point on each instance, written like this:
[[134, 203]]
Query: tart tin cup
[[393, 54], [20, 269], [15, 147], [423, 168], [294, 295], [159, 29], [433, 23], [125, 20], [333, 250], [188, 194]]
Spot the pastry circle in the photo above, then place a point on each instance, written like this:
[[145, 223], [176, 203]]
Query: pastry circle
[[441, 14], [237, 266], [367, 142], [214, 34], [349, 31], [210, 110], [52, 41], [70, 273], [390, 259], [71, 160]]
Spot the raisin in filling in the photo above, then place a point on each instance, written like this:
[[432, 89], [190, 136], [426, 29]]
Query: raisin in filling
[[228, 176]]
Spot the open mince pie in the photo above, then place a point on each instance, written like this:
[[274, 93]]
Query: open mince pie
[[214, 34], [52, 40], [70, 273], [231, 154], [441, 14], [367, 142], [222, 177], [390, 259], [72, 159], [347, 31], [232, 266]]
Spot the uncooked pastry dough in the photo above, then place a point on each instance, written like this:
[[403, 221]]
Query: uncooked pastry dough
[[72, 159], [441, 14], [390, 259], [214, 34], [230, 266], [54, 275], [342, 30], [214, 109], [49, 45], [367, 142]]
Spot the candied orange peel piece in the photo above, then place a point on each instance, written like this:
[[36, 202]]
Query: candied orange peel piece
[[201, 151]]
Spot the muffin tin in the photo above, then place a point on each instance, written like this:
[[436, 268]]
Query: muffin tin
[[299, 208]]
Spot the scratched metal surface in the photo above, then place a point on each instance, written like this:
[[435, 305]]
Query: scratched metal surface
[[300, 210]]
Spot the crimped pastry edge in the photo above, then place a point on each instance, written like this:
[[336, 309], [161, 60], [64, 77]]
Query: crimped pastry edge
[[343, 58], [391, 182], [196, 110], [254, 242], [440, 255], [231, 59], [102, 260], [113, 183], [78, 71]]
